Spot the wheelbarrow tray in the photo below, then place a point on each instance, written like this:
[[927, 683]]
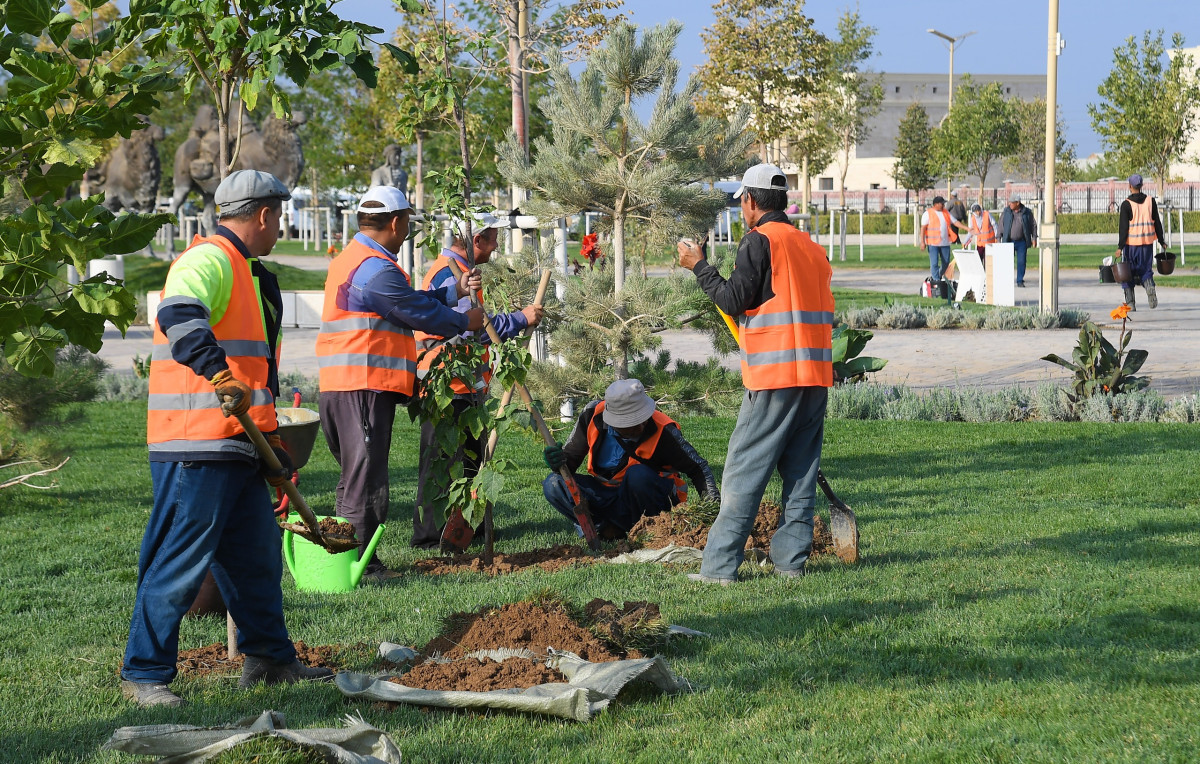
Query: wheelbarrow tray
[[298, 428]]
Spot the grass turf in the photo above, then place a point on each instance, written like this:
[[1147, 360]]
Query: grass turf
[[148, 274], [1027, 593]]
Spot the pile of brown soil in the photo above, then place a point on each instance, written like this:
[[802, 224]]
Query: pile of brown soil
[[331, 526], [674, 528], [214, 659], [474, 675], [553, 559], [519, 625]]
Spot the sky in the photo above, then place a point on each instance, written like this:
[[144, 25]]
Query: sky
[[1011, 38]]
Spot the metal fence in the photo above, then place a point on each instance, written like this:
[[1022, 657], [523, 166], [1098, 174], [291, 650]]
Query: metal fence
[[1101, 196]]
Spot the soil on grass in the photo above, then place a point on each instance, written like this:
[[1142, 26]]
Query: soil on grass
[[676, 528], [633, 623], [551, 560], [533, 627], [214, 659], [475, 675]]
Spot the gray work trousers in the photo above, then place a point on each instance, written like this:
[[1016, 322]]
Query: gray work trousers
[[776, 430]]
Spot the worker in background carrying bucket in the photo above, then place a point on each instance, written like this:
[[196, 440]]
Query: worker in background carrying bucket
[[1139, 227], [636, 457]]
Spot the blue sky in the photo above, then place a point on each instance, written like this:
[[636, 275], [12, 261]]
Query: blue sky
[[1010, 37]]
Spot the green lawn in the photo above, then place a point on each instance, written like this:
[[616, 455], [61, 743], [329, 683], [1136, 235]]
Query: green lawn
[[148, 274], [1027, 593]]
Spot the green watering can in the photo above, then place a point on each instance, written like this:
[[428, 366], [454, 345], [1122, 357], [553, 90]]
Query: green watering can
[[316, 570]]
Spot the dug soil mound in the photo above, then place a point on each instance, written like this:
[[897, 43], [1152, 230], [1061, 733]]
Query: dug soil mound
[[214, 659], [553, 559], [677, 528], [474, 675], [519, 625]]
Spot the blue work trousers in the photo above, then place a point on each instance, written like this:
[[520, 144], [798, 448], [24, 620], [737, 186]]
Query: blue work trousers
[[1141, 263], [642, 492], [939, 261], [776, 430], [207, 515], [1021, 249]]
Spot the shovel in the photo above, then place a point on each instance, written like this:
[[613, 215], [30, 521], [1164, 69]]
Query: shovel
[[310, 530], [843, 525]]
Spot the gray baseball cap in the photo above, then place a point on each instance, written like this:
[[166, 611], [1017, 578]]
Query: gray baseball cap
[[763, 176], [245, 186], [1014, 198]]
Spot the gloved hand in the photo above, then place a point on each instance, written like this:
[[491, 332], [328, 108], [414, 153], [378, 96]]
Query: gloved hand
[[233, 394], [554, 456], [277, 479]]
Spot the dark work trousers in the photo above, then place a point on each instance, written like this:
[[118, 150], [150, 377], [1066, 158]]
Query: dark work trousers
[[427, 523], [642, 492], [358, 428], [1141, 263]]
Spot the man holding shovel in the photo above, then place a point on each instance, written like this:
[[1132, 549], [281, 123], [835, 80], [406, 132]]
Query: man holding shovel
[[779, 295], [217, 329], [445, 271], [367, 354]]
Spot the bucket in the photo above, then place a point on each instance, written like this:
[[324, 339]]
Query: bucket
[[1165, 263], [1106, 275], [316, 570], [298, 429], [1121, 272]]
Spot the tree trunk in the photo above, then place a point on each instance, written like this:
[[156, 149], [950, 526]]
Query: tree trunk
[[419, 192], [619, 248], [516, 82]]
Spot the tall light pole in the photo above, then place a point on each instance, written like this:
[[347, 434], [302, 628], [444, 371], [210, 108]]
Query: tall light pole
[[1048, 235], [953, 41]]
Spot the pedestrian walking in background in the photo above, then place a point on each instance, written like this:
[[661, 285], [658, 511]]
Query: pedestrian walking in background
[[1139, 226], [1018, 226]]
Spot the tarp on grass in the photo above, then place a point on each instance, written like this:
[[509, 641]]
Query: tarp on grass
[[589, 689], [356, 743]]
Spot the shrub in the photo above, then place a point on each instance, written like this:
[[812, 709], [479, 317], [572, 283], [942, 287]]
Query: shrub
[[936, 405], [945, 318], [1008, 319], [1009, 404], [123, 387], [1045, 320], [1069, 318], [901, 315], [1138, 406], [1052, 403], [308, 385], [974, 319], [862, 318], [861, 400], [1186, 410], [31, 400]]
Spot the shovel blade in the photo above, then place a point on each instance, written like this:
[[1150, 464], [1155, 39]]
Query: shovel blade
[[583, 516], [843, 527], [458, 533]]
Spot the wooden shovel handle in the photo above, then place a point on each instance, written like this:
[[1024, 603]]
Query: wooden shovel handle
[[268, 456]]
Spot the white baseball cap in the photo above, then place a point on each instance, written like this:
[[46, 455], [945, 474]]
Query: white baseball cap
[[763, 176], [480, 222], [392, 199]]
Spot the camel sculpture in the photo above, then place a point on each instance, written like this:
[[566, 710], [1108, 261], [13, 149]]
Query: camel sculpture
[[133, 171], [275, 149]]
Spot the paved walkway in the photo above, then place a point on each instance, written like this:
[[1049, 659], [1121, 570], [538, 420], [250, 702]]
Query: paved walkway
[[919, 358]]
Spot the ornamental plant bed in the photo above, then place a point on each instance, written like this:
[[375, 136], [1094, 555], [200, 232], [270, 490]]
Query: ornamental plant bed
[[552, 559], [214, 659], [685, 528]]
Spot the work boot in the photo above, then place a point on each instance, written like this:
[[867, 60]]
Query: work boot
[[796, 573], [257, 670], [147, 694], [1151, 296], [1128, 291]]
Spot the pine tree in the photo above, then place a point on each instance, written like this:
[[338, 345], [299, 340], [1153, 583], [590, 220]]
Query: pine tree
[[915, 168]]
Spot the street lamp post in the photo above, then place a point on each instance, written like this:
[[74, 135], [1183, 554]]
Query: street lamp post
[[1048, 235], [950, 98]]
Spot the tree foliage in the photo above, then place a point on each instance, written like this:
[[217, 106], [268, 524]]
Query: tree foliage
[[767, 56], [63, 104], [1028, 160], [979, 130], [915, 168], [1148, 108], [855, 93]]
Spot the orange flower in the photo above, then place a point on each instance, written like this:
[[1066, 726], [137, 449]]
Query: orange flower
[[1121, 313]]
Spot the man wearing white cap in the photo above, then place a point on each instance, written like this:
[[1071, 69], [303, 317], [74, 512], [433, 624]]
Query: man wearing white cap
[[368, 356], [445, 271], [635, 455], [216, 351], [779, 294]]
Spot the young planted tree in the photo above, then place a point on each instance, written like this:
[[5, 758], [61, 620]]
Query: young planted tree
[[1029, 158], [978, 132], [601, 156], [62, 104], [855, 93], [915, 168], [1147, 114], [767, 56]]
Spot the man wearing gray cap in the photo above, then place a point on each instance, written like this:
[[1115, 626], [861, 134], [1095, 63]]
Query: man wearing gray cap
[[216, 350], [636, 456], [1138, 228], [1018, 227], [780, 296]]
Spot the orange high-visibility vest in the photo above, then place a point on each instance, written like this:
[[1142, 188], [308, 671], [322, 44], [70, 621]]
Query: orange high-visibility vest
[[985, 232], [361, 350], [933, 234], [430, 345], [1141, 224], [644, 452], [183, 412], [788, 340]]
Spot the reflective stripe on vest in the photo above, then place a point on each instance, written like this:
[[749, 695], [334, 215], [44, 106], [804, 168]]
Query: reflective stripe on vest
[[430, 345], [183, 413], [1141, 224], [933, 233], [644, 452], [358, 350], [985, 232], [788, 340]]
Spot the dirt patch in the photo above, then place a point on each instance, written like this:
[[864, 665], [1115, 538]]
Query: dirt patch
[[214, 659], [475, 675], [676, 528], [331, 526], [553, 559], [633, 624]]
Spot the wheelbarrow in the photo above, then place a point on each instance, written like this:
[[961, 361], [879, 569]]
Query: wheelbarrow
[[298, 429]]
